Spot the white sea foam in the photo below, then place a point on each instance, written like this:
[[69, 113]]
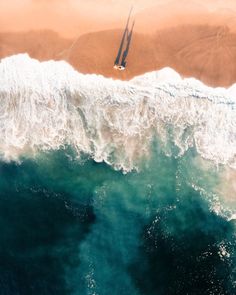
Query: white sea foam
[[46, 105]]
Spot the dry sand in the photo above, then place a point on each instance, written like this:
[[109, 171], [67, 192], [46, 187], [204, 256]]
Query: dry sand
[[198, 41]]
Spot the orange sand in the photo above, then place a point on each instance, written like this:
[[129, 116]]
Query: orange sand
[[198, 41]]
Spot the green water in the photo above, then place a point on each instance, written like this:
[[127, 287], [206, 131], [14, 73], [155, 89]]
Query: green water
[[72, 226]]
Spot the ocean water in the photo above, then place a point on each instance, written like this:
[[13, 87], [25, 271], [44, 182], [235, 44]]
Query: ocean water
[[110, 187]]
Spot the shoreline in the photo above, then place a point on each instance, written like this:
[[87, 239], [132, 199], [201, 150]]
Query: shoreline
[[200, 51]]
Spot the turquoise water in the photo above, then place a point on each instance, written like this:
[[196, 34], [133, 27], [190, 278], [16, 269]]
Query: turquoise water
[[74, 226]]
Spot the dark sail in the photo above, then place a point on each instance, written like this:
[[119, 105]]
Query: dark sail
[[117, 60]]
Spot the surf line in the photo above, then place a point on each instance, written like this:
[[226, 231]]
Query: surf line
[[120, 63]]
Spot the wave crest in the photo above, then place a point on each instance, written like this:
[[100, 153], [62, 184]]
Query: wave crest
[[47, 105]]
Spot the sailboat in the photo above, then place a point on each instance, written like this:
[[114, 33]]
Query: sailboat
[[120, 61]]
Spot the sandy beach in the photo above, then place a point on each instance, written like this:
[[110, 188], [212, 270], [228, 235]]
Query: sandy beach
[[199, 41], [117, 182]]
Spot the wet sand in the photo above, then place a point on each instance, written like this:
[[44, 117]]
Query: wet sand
[[199, 41], [204, 52]]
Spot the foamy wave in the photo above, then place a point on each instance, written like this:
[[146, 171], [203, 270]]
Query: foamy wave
[[47, 105]]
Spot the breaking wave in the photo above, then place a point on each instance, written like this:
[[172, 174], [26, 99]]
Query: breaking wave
[[48, 105], [73, 226]]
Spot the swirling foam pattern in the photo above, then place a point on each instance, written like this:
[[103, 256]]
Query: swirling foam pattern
[[47, 105], [73, 226]]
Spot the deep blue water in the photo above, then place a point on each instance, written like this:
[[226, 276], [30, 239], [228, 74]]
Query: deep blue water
[[72, 226]]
